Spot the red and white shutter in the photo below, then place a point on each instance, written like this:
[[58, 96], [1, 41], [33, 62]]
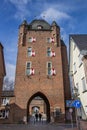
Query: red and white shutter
[[32, 71], [52, 39], [53, 54], [53, 71], [33, 53], [33, 39]]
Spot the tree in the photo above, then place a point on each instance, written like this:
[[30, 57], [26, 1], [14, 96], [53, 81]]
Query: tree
[[8, 84]]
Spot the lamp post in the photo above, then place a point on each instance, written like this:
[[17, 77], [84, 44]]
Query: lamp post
[[7, 109], [77, 106]]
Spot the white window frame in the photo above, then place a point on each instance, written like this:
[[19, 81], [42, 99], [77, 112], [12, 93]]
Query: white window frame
[[80, 61], [28, 69], [5, 101], [30, 39], [49, 52], [40, 27], [48, 40], [84, 86], [75, 68], [49, 68], [29, 51]]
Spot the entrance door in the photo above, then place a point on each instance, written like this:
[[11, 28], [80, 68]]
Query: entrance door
[[38, 104]]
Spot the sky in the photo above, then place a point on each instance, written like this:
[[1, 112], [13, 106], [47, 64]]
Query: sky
[[70, 15]]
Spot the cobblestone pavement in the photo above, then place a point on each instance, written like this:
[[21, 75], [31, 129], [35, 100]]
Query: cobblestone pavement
[[36, 127]]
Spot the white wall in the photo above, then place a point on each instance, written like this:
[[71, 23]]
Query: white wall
[[79, 74]]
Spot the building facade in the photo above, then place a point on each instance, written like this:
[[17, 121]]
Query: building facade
[[78, 70], [2, 69], [41, 70]]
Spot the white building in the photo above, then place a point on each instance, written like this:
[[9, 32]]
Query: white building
[[78, 70]]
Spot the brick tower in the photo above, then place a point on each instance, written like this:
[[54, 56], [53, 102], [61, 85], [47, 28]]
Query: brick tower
[[2, 69], [41, 70]]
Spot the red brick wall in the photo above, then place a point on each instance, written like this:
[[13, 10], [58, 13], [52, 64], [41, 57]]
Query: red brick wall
[[2, 69]]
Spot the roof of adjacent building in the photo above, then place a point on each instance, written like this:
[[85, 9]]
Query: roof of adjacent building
[[1, 45], [80, 40]]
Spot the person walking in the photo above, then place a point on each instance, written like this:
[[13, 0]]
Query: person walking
[[40, 117], [36, 116]]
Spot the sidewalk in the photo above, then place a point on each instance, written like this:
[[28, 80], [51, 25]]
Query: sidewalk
[[71, 129]]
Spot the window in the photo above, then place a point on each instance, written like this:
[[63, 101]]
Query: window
[[29, 51], [74, 68], [5, 101], [39, 27], [49, 40], [49, 67], [30, 39], [80, 61], [84, 84], [86, 109], [4, 114], [74, 46], [57, 112], [77, 86], [48, 51], [28, 68]]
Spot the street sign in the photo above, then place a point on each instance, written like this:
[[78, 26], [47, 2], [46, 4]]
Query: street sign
[[77, 103], [69, 103]]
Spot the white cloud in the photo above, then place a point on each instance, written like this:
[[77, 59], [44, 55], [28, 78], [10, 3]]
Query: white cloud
[[19, 2], [21, 6], [10, 71], [54, 14]]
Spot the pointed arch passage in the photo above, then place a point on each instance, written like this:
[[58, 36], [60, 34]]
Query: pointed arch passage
[[41, 95]]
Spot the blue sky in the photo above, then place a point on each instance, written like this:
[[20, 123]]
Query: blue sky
[[70, 15]]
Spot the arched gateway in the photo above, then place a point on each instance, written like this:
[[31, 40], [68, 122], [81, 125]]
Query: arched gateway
[[41, 72], [42, 96]]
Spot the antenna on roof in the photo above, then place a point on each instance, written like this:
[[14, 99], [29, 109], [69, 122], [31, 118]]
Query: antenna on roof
[[35, 16], [44, 14]]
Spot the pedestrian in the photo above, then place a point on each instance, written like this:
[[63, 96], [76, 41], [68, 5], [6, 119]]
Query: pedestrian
[[36, 116], [40, 116]]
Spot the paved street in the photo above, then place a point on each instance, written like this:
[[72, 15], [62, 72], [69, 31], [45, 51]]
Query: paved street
[[35, 127]]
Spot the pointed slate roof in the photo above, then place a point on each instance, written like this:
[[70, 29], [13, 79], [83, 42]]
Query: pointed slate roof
[[62, 43], [54, 23]]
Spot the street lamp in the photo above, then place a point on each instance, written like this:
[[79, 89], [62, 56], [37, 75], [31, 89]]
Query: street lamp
[[75, 96]]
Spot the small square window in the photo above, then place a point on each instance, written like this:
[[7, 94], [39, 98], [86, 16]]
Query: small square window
[[30, 39], [29, 51], [28, 68], [49, 68], [49, 40], [39, 27], [48, 51]]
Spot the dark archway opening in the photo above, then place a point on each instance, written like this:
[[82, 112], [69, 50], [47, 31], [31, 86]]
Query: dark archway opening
[[35, 108]]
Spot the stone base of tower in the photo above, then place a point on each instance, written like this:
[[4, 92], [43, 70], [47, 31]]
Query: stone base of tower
[[21, 118], [60, 119]]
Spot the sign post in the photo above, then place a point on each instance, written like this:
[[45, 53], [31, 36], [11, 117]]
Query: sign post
[[71, 110], [76, 104]]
